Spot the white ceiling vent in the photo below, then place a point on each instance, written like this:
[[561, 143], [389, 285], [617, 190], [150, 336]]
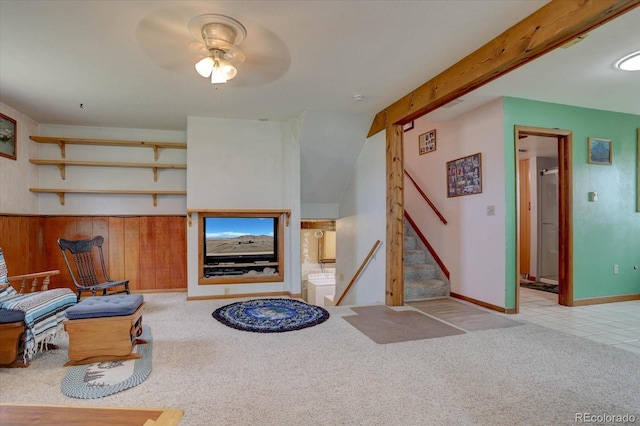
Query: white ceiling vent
[[453, 103]]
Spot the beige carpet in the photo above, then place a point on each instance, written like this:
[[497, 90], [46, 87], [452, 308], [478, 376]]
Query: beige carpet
[[386, 325], [332, 374]]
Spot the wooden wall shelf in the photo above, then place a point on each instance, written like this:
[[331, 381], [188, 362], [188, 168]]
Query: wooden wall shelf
[[62, 142], [61, 164], [61, 192]]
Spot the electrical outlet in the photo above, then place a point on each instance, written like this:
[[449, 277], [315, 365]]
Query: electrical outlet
[[226, 290], [491, 210], [615, 269]]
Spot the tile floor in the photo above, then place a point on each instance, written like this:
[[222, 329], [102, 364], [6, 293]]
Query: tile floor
[[615, 324]]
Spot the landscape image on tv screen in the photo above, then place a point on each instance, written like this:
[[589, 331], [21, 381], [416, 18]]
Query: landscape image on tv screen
[[227, 237]]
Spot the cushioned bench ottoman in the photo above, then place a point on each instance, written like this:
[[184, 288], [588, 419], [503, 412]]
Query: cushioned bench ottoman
[[104, 328]]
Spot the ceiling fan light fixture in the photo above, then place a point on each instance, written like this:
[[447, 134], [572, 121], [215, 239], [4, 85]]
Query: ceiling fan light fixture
[[204, 66], [630, 62], [214, 28], [222, 72], [220, 35]]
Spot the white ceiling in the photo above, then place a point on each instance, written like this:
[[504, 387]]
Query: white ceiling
[[130, 64], [583, 74], [537, 146]]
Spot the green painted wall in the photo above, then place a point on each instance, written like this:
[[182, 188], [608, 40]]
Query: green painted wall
[[605, 232]]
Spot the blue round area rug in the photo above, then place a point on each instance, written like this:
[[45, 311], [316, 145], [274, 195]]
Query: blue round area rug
[[270, 315]]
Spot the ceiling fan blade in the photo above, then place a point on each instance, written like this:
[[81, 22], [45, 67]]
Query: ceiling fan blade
[[165, 38], [267, 58], [259, 70]]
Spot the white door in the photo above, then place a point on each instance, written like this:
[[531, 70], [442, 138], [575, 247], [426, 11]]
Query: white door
[[549, 228]]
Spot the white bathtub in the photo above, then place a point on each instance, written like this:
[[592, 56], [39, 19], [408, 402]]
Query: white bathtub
[[319, 286]]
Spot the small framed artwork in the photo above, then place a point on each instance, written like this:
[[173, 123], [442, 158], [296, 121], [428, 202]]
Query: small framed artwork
[[464, 176], [408, 126], [8, 138], [427, 142], [600, 151]]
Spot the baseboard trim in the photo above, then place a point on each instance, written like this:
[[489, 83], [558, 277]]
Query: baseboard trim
[[239, 296], [606, 299], [167, 290], [484, 304]]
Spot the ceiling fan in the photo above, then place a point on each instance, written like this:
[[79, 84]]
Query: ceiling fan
[[221, 35], [181, 37]]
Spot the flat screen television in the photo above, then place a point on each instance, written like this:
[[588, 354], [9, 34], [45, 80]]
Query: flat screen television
[[240, 239]]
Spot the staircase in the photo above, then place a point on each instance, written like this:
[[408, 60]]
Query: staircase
[[423, 278]]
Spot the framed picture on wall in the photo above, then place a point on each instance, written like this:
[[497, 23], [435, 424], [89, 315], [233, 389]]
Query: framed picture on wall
[[427, 142], [408, 126], [600, 151], [8, 138], [464, 176]]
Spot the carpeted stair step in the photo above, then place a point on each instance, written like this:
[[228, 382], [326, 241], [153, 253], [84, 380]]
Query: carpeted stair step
[[415, 257], [409, 243], [423, 279], [419, 272], [426, 289]]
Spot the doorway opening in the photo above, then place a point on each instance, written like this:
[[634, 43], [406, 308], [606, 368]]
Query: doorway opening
[[544, 193], [318, 261]]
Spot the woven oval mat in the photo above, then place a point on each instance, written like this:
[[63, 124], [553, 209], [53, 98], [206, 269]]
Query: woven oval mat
[[106, 378]]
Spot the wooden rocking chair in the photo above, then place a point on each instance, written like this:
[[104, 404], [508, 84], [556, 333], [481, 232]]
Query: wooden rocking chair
[[81, 262]]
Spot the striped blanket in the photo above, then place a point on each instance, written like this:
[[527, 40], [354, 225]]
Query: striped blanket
[[43, 316]]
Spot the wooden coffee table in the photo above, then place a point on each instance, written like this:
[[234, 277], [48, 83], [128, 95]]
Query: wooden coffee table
[[58, 415]]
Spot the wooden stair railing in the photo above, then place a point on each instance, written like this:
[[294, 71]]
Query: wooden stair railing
[[424, 196], [359, 271]]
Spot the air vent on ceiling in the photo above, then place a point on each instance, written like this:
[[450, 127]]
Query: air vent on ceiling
[[574, 41], [453, 103]]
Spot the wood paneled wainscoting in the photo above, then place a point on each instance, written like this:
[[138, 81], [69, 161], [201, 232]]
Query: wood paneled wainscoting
[[149, 251]]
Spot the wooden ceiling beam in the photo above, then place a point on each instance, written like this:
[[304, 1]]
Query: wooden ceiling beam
[[553, 25]]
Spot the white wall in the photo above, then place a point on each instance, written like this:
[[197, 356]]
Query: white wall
[[111, 177], [363, 216], [472, 244], [332, 141], [243, 165], [17, 176], [319, 211]]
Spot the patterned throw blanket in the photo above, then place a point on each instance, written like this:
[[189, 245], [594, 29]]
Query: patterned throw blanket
[[43, 316]]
